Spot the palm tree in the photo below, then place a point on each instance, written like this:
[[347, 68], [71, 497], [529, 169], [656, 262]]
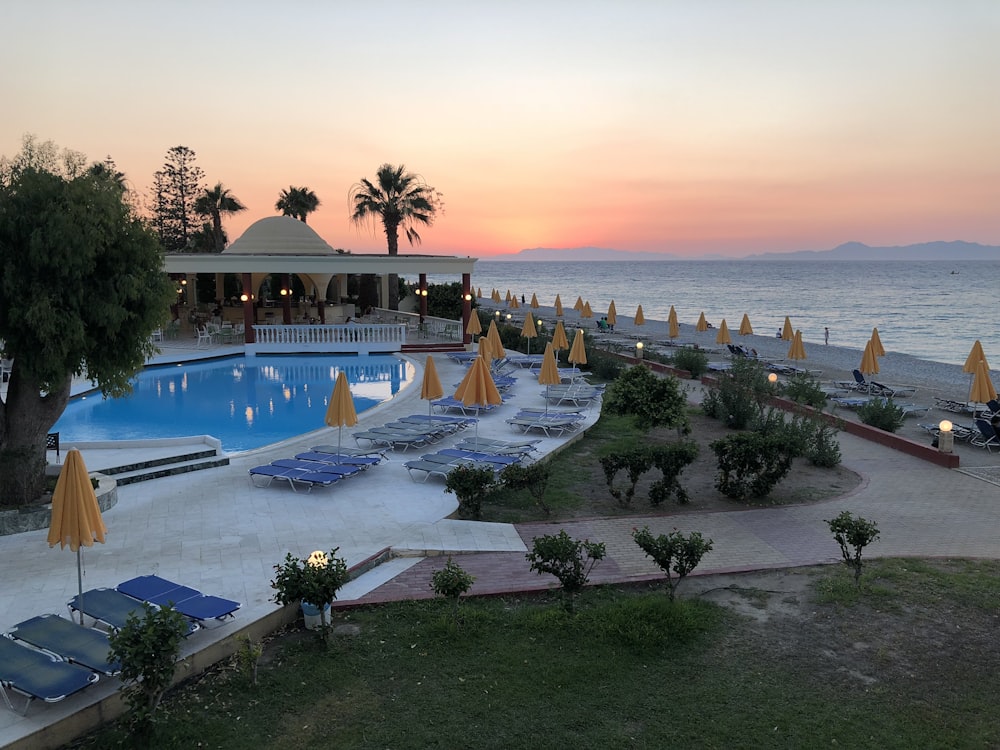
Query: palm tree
[[297, 203], [212, 204], [396, 199]]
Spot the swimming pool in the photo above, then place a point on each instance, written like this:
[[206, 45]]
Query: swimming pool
[[246, 402]]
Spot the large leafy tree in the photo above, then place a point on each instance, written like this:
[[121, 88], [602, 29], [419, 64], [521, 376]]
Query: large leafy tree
[[176, 189], [81, 289], [213, 204], [396, 199], [297, 202]]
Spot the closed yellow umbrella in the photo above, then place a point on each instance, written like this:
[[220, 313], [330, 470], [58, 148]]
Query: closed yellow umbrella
[[797, 350], [496, 296], [877, 347], [640, 319], [787, 334], [559, 307], [549, 374], [612, 314], [675, 329], [722, 337], [76, 517], [528, 330], [514, 304], [982, 385], [479, 293], [559, 340], [975, 355], [507, 298], [578, 306], [477, 388], [869, 362], [745, 328], [430, 387], [586, 312], [496, 345], [475, 327], [534, 302], [702, 324], [340, 411], [486, 348], [578, 353]]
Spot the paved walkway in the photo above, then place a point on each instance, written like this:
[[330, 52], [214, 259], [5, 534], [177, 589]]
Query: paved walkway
[[213, 530]]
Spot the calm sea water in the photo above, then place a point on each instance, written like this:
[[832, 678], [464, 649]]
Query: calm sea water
[[932, 310]]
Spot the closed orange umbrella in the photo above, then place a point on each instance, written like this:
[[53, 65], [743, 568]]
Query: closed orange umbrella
[[76, 517], [787, 334], [797, 350], [975, 355], [578, 306], [745, 328], [559, 309], [612, 314], [549, 374], [528, 330], [507, 298], [722, 337], [496, 295], [477, 387], [982, 386], [514, 304], [869, 362], [640, 319], [534, 302], [675, 329], [877, 347], [430, 387], [496, 345], [475, 327], [586, 312], [559, 340], [578, 354], [340, 411], [479, 293], [486, 348], [702, 324]]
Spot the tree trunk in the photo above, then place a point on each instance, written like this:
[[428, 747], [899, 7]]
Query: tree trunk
[[392, 236], [22, 452]]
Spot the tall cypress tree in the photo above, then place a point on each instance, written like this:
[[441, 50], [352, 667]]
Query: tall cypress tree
[[176, 188]]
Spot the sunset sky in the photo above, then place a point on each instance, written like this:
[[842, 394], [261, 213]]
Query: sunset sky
[[691, 127]]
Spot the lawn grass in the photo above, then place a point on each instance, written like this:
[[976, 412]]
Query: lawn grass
[[630, 669]]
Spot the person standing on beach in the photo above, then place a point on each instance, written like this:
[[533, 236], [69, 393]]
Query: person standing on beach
[[826, 335]]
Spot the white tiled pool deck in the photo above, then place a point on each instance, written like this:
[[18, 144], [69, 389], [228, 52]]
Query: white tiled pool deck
[[215, 531]]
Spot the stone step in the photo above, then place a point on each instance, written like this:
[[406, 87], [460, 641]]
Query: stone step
[[152, 463], [170, 469]]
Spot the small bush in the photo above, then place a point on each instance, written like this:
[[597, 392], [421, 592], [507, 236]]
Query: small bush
[[750, 464], [695, 361], [315, 580], [881, 413], [451, 582], [673, 553], [534, 478], [803, 388], [247, 657], [853, 535], [652, 401], [569, 560], [824, 448], [472, 485], [739, 395], [604, 366], [671, 460]]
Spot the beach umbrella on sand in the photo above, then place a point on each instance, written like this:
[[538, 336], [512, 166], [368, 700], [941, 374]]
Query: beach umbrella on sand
[[340, 411], [559, 310], [982, 389], [787, 334], [76, 517], [640, 319], [479, 293], [745, 328], [612, 314], [975, 355], [496, 296], [534, 302], [578, 354], [797, 350], [528, 330], [559, 340], [869, 362], [507, 298], [514, 304], [475, 327], [722, 337], [478, 389], [430, 387], [877, 347], [496, 345], [586, 312], [675, 329], [578, 306], [549, 374], [702, 324]]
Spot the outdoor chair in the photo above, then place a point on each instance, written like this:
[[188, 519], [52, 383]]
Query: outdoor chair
[[987, 437], [188, 601], [293, 477], [112, 608], [37, 675], [344, 471], [71, 642]]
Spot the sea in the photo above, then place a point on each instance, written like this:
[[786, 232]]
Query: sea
[[933, 310]]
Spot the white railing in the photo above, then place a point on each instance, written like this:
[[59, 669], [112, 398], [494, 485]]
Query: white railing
[[355, 338]]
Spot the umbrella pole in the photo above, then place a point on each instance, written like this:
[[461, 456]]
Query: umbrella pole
[[546, 398], [340, 437], [79, 578]]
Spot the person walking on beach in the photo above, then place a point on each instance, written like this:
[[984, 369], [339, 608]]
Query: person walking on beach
[[826, 335]]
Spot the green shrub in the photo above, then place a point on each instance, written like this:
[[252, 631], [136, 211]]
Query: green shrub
[[472, 485], [315, 580], [673, 553], [853, 535], [824, 448], [750, 464], [694, 361], [803, 388], [635, 463], [247, 657], [881, 413], [652, 400], [451, 582], [147, 647], [603, 365], [532, 477], [671, 460], [569, 560], [739, 395]]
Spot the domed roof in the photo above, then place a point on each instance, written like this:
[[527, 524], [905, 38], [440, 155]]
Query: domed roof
[[279, 235]]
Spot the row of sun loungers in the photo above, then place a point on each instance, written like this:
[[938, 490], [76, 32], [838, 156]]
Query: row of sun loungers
[[445, 461], [873, 387], [49, 658], [987, 411], [551, 423], [857, 402], [322, 466], [980, 434]]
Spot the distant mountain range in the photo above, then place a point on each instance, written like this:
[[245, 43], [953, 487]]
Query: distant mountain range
[[848, 251]]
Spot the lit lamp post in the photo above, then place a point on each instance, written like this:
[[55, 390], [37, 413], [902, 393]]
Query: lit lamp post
[[946, 438], [638, 350], [772, 378]]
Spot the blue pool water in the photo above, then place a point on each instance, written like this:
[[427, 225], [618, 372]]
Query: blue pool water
[[244, 402]]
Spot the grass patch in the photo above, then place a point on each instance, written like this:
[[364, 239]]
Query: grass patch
[[898, 666]]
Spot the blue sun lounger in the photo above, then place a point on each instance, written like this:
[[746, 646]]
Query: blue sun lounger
[[112, 608], [344, 471], [304, 477], [74, 643], [188, 601], [38, 676], [339, 459]]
